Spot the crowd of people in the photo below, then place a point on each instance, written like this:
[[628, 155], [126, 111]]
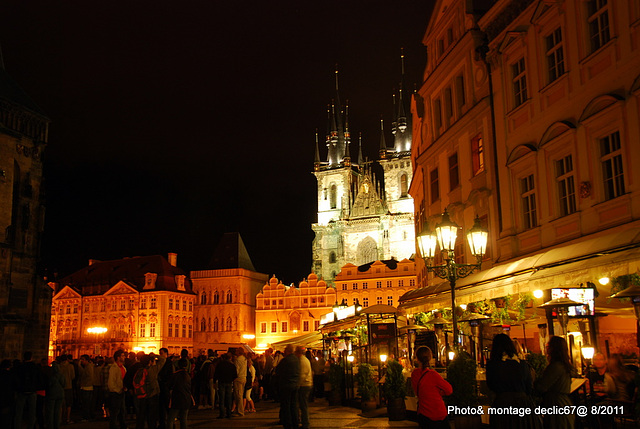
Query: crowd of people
[[157, 390]]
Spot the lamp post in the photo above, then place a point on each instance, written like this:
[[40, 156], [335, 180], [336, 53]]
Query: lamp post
[[445, 236]]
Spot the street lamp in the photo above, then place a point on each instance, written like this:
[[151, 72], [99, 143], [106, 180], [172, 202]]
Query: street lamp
[[445, 237]]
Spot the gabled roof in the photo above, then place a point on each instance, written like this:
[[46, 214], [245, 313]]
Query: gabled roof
[[231, 253], [101, 276]]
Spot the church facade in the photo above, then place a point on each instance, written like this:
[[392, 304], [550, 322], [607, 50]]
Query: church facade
[[361, 218]]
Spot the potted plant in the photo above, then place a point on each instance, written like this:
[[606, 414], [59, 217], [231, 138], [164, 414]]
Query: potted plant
[[461, 374], [367, 387], [336, 380], [395, 390]]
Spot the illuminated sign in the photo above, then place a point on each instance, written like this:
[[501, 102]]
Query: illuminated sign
[[343, 313], [584, 295], [327, 318]]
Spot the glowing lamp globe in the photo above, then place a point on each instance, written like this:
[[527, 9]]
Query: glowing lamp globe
[[477, 238], [446, 233]]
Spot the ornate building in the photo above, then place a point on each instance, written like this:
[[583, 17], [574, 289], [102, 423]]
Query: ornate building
[[284, 312], [361, 219], [225, 308], [25, 299], [380, 282], [144, 303]]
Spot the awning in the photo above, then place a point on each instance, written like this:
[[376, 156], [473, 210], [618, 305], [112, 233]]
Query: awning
[[301, 340], [612, 255], [338, 325]]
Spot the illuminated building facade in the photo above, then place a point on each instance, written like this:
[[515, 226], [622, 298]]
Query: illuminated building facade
[[25, 299], [380, 282], [284, 312], [226, 296], [361, 219], [145, 303]]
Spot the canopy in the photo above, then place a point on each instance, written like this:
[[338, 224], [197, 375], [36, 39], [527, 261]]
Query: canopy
[[301, 340]]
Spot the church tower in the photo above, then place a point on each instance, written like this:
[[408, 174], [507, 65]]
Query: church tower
[[359, 219]]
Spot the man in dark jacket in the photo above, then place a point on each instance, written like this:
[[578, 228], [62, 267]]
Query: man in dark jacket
[[288, 372], [27, 379], [181, 400], [225, 374]]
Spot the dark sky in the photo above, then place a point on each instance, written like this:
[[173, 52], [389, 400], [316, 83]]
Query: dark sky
[[174, 122]]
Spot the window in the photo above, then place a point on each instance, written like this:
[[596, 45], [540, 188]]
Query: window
[[203, 298], [612, 171], [437, 115], [378, 300], [313, 300], [216, 298], [170, 303], [153, 302], [365, 301], [203, 325], [434, 185], [460, 95], [184, 331], [412, 282], [519, 80], [598, 20], [332, 257], [400, 283], [454, 178], [274, 326], [448, 106], [378, 285], [333, 196], [143, 329], [321, 300], [215, 325], [75, 308], [316, 324], [229, 297], [263, 327], [305, 300], [86, 308], [528, 195], [123, 304], [284, 327], [354, 286], [555, 54], [365, 285], [103, 306], [404, 186], [305, 326], [344, 286], [477, 155], [390, 300], [280, 302], [171, 329], [177, 304], [566, 185], [190, 306], [190, 331], [273, 302], [152, 330], [143, 303], [389, 283], [184, 305], [114, 306]]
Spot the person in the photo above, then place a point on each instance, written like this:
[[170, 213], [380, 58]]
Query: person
[[266, 374], [555, 384], [288, 376], [104, 379], [240, 381], [225, 374], [249, 406], [622, 378], [7, 396], [430, 387], [318, 364], [207, 370], [305, 386], [54, 396], [86, 376], [181, 399], [69, 373], [509, 377], [599, 381], [27, 380], [116, 388], [164, 374]]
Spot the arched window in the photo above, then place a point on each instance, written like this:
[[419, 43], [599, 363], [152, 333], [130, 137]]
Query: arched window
[[203, 298], [332, 257], [333, 196], [215, 325], [367, 251], [404, 187], [216, 298], [229, 297], [229, 324], [203, 325]]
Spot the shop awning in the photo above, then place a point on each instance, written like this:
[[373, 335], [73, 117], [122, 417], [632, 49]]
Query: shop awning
[[301, 340], [338, 325], [611, 255]]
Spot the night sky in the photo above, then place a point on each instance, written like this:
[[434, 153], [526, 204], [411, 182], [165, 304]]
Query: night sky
[[174, 122]]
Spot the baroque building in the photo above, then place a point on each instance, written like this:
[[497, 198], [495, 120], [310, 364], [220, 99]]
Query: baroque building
[[226, 303], [528, 118], [25, 299], [140, 303], [284, 312], [360, 218]]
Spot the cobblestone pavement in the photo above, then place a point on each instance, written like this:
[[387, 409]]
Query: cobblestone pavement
[[321, 416]]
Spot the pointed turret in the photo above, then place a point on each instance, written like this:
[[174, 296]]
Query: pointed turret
[[383, 142], [360, 158], [316, 159], [402, 136]]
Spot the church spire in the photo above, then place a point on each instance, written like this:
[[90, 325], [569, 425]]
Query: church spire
[[316, 159], [383, 142], [360, 158], [402, 136]]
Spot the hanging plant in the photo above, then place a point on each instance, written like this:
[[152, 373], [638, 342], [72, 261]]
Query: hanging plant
[[522, 304]]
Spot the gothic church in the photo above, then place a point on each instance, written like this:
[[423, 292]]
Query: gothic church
[[362, 219]]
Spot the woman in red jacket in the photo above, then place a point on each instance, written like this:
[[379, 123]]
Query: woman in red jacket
[[430, 387]]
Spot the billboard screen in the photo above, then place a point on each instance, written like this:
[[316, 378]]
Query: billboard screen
[[584, 295]]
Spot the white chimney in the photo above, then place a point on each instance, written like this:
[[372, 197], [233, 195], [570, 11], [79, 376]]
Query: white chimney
[[173, 259]]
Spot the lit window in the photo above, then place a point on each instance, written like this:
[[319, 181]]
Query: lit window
[[528, 196], [477, 155], [612, 171], [598, 20], [555, 54], [566, 185], [519, 80], [143, 329], [152, 330], [263, 327], [454, 178]]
